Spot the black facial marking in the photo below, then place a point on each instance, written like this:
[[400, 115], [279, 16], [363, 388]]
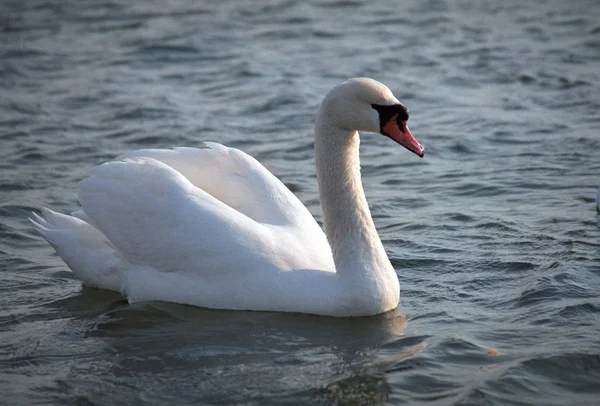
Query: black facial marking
[[387, 112]]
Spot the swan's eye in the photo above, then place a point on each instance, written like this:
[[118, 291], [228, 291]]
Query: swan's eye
[[402, 113], [401, 123]]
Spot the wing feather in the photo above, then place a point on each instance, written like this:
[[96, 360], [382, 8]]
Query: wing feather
[[156, 217], [236, 179]]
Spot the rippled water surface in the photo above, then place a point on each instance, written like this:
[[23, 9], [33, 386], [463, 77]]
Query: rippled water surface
[[494, 234]]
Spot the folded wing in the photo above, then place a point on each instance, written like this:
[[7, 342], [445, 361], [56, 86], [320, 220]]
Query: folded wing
[[236, 179], [157, 218]]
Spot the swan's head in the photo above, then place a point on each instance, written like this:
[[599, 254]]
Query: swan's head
[[363, 104]]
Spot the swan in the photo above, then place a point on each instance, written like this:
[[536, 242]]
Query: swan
[[212, 227]]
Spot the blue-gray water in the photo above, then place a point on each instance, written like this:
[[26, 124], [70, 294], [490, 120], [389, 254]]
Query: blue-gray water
[[494, 234]]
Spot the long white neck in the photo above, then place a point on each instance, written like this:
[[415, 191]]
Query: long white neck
[[358, 253]]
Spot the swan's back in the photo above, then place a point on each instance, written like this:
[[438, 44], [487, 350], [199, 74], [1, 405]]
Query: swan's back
[[236, 179]]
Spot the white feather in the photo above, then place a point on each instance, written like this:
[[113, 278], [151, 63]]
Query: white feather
[[212, 227], [83, 248]]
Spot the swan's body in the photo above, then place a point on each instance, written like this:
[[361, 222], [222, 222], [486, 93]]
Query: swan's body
[[212, 227]]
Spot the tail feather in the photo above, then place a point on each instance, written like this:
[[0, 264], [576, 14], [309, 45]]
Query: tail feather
[[51, 220], [88, 253], [40, 224]]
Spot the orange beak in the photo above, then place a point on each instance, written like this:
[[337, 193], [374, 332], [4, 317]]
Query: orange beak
[[399, 132]]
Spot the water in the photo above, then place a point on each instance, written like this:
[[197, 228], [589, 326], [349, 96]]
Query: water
[[494, 234]]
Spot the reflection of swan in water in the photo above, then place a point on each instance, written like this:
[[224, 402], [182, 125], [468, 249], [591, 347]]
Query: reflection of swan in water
[[229, 355], [212, 227]]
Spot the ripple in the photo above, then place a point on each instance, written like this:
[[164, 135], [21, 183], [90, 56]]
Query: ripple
[[475, 189], [579, 310], [145, 112], [577, 372], [168, 50], [493, 234]]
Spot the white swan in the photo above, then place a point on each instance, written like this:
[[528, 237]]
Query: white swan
[[214, 228]]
